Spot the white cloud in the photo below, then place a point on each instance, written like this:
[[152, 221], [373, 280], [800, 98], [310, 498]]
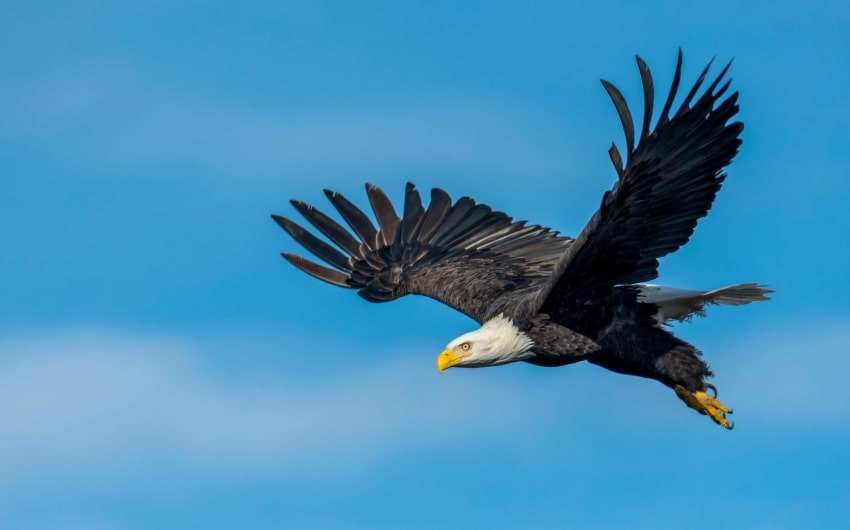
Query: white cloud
[[91, 403], [97, 404]]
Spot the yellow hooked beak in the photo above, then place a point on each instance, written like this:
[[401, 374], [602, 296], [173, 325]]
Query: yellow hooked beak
[[448, 358]]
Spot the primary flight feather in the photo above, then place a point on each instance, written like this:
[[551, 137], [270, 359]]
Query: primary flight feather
[[547, 299]]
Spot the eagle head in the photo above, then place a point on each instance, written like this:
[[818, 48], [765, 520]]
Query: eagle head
[[497, 341]]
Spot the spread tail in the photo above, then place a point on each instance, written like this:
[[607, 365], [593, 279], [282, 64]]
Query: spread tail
[[683, 304]]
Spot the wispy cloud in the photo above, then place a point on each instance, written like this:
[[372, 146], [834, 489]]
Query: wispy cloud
[[112, 121], [463, 136], [793, 375], [92, 403]]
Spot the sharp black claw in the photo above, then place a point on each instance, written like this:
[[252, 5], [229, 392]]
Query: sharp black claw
[[713, 389]]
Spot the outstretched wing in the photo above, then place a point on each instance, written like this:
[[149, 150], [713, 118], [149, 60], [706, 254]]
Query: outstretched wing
[[463, 254], [669, 182]]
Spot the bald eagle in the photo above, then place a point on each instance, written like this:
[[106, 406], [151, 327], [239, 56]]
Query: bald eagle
[[548, 299]]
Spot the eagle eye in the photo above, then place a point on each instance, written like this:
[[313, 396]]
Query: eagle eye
[[465, 346]]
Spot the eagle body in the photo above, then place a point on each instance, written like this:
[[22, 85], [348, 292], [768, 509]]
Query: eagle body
[[545, 298]]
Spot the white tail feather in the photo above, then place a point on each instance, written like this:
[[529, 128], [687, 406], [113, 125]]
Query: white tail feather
[[683, 304]]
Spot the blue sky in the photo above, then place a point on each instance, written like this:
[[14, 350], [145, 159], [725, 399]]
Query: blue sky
[[161, 367]]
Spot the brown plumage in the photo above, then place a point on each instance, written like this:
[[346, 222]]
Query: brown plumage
[[576, 299]]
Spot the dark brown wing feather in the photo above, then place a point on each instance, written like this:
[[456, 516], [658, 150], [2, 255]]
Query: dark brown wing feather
[[462, 254], [669, 182]]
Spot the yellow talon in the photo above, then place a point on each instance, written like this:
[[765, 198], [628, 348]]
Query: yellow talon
[[706, 404]]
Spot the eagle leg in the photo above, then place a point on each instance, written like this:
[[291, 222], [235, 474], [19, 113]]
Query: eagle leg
[[704, 403]]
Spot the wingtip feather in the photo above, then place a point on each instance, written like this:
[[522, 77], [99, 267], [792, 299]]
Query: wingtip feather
[[648, 95], [624, 114], [317, 271]]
